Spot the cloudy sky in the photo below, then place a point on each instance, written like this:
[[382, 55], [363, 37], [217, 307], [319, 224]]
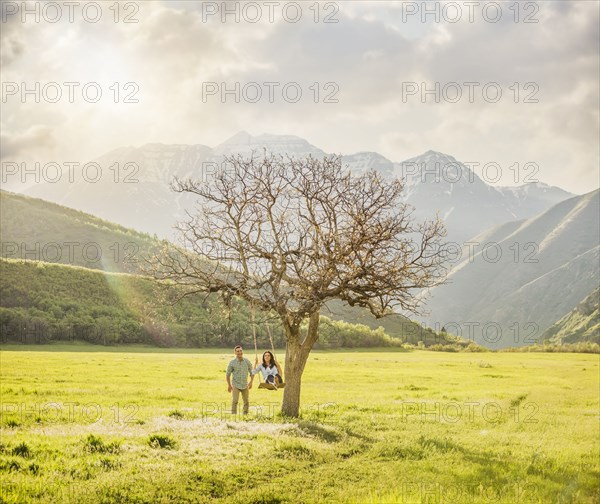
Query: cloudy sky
[[365, 64]]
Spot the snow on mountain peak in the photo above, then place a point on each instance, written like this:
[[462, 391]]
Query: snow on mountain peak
[[434, 182], [241, 137], [438, 167], [244, 143]]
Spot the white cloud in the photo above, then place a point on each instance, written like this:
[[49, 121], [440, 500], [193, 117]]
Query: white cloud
[[369, 53]]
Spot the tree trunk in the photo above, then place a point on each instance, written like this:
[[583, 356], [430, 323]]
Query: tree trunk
[[291, 393], [295, 359]]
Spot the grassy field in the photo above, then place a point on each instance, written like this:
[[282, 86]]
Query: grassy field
[[83, 423]]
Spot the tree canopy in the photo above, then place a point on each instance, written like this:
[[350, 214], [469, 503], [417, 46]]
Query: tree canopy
[[288, 234]]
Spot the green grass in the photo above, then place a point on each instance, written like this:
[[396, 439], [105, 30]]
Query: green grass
[[142, 425]]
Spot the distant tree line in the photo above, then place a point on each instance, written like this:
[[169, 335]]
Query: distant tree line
[[42, 303]]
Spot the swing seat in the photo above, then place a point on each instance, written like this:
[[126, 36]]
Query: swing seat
[[268, 386]]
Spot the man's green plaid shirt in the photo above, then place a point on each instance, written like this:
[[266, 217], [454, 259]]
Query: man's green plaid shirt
[[240, 369]]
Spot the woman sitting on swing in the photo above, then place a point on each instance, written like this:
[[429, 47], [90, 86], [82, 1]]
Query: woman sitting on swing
[[270, 369]]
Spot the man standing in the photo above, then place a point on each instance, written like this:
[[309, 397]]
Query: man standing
[[240, 368]]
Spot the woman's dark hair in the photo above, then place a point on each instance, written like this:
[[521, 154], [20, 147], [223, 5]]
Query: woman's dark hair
[[272, 359]]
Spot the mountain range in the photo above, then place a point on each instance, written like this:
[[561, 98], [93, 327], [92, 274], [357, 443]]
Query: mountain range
[[137, 180], [547, 237], [523, 276]]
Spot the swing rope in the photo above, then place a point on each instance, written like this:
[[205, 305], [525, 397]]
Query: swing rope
[[253, 316], [271, 339]]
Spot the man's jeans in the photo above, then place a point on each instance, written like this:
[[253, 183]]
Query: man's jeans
[[235, 393]]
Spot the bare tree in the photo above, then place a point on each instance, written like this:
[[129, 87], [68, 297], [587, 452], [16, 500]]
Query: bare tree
[[286, 235]]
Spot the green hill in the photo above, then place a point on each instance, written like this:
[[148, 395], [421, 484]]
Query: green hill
[[42, 302], [55, 279], [582, 324], [394, 324], [38, 230]]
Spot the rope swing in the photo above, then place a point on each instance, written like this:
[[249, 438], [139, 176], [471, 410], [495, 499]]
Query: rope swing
[[253, 318], [262, 385]]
